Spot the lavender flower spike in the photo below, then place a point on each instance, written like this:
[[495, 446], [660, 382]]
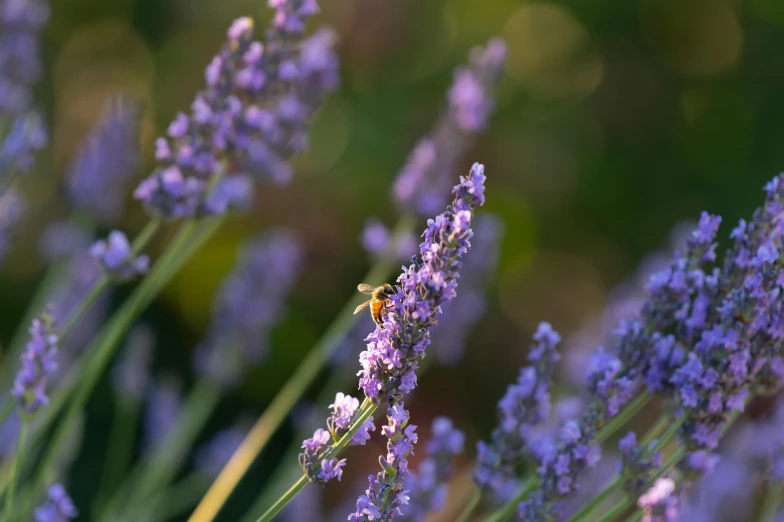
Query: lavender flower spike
[[248, 121], [423, 181], [386, 495], [117, 257], [248, 305], [107, 162], [58, 508], [38, 363], [390, 362], [524, 406]]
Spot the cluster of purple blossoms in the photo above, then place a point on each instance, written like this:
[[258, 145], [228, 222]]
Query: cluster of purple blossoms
[[524, 406], [659, 504], [21, 22], [107, 162], [117, 257], [387, 493], [428, 486], [251, 118], [343, 411], [449, 336], [131, 374], [10, 215], [211, 458], [423, 182], [248, 305], [394, 349], [58, 508], [38, 364], [637, 463]]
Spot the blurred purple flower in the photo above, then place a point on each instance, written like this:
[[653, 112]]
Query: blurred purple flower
[[131, 374], [107, 161], [428, 486], [38, 364], [215, 454], [423, 182], [21, 22], [375, 240], [11, 208], [251, 118], [249, 303], [62, 239], [637, 465], [163, 406], [117, 257], [58, 507], [448, 338]]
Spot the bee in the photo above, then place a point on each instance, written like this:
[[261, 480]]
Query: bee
[[379, 302]]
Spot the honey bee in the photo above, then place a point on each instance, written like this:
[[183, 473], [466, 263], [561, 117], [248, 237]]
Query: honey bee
[[379, 302]]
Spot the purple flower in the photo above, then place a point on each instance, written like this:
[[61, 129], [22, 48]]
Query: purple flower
[[107, 161], [58, 507], [389, 364], [249, 120], [387, 495], [215, 454], [343, 411], [424, 180], [117, 257], [38, 364], [131, 373], [449, 336], [26, 136], [524, 406], [658, 503], [428, 486], [248, 305]]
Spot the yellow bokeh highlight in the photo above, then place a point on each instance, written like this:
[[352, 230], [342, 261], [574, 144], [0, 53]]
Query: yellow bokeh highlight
[[550, 52]]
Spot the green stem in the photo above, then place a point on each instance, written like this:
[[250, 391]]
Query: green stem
[[627, 501], [586, 510], [613, 425], [119, 450], [98, 357], [291, 392], [20, 449], [367, 409], [771, 501], [508, 509], [470, 507], [623, 416], [159, 468]]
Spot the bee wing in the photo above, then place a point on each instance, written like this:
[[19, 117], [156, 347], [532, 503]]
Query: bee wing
[[362, 306], [365, 288]]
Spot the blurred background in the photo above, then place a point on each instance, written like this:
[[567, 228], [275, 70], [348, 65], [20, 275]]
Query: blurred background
[[616, 122]]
